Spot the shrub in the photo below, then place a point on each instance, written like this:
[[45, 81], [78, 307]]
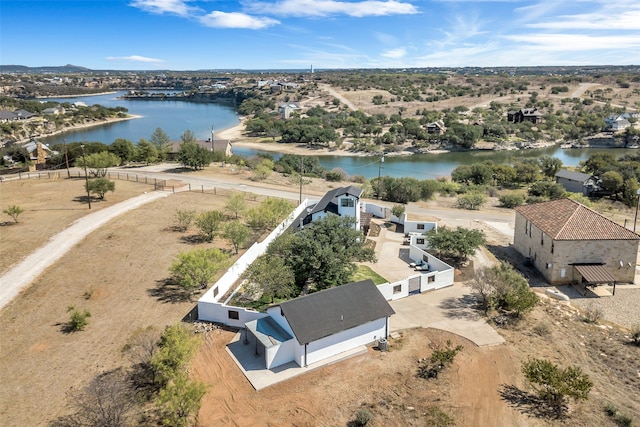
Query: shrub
[[363, 416], [542, 329], [471, 201], [621, 419], [14, 212], [511, 200], [592, 314], [335, 175], [100, 186], [554, 384], [78, 320], [440, 359], [184, 218]]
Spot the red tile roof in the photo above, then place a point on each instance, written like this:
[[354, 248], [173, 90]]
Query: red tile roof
[[565, 219]]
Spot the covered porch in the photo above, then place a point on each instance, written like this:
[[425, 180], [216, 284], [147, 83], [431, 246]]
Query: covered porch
[[589, 277]]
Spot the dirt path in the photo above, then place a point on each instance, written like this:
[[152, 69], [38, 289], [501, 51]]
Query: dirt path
[[336, 94], [582, 88], [22, 274]]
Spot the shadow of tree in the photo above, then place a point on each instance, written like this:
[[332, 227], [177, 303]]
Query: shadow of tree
[[530, 404], [464, 307], [178, 170], [168, 291], [510, 255], [193, 239], [85, 200]]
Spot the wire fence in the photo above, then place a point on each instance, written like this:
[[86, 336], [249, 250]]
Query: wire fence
[[158, 184]]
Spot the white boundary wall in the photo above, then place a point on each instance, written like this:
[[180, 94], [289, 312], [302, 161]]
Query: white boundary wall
[[376, 210], [224, 284], [414, 226], [440, 276]]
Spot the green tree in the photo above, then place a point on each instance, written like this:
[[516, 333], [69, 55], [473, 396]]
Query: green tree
[[14, 211], [236, 204], [503, 288], [547, 190], [326, 252], [398, 210], [98, 163], [550, 166], [611, 182], [209, 223], [194, 156], [161, 142], [180, 400], [455, 243], [270, 276], [124, 149], [146, 152], [526, 172], [504, 174], [236, 233], [175, 349], [196, 268], [188, 137], [554, 384], [100, 186], [263, 169]]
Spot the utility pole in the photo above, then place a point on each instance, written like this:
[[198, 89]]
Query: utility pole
[[212, 134], [86, 176], [301, 170], [379, 170], [66, 158], [637, 205]]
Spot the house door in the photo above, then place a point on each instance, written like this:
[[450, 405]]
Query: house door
[[414, 285]]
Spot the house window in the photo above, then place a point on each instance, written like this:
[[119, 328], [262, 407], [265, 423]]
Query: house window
[[346, 203], [420, 241], [552, 247], [215, 292], [541, 239], [233, 314], [397, 289], [420, 226], [425, 259], [431, 279]]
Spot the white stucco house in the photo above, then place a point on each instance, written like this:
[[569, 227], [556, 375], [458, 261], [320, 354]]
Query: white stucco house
[[342, 201], [317, 326]]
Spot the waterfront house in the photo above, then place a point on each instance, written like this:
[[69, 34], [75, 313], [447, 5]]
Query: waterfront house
[[576, 182], [569, 243], [525, 115], [436, 128]]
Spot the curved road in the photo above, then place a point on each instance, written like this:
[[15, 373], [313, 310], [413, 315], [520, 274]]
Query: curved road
[[25, 272], [21, 275]]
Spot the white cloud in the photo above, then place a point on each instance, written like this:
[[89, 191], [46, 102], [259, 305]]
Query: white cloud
[[618, 20], [394, 53], [576, 42], [357, 9], [135, 58], [218, 19], [176, 7]]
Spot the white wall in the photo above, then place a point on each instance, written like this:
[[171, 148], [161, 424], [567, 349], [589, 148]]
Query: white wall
[[376, 210], [224, 284], [280, 354], [343, 341], [219, 312], [414, 226]]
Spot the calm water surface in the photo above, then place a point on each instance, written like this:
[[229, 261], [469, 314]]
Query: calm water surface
[[174, 117]]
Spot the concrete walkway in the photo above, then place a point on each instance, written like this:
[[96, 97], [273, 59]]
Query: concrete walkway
[[24, 273]]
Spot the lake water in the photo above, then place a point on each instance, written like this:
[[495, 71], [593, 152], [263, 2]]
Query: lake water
[[174, 117]]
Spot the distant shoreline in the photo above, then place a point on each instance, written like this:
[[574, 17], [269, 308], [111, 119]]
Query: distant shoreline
[[77, 96], [84, 126]]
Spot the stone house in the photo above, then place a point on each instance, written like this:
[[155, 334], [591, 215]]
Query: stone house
[[570, 243]]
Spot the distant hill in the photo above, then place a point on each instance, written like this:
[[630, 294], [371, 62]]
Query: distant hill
[[45, 69]]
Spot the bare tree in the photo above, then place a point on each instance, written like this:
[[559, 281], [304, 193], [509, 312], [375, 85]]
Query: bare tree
[[107, 401], [140, 349]]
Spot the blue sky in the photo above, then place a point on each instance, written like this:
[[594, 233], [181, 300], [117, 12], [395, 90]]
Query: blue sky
[[286, 34]]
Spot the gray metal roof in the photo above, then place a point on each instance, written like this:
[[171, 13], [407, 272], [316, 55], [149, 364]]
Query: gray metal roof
[[268, 332], [330, 199], [573, 176], [334, 310]]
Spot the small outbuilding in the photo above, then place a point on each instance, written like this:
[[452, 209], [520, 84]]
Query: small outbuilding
[[576, 182]]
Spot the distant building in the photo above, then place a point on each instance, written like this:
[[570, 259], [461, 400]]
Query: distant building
[[286, 110], [576, 182], [525, 115]]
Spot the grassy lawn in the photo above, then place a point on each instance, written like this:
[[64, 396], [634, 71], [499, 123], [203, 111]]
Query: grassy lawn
[[363, 272]]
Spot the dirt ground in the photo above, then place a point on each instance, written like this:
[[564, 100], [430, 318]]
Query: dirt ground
[[118, 273]]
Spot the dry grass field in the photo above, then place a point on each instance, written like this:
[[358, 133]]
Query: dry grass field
[[118, 274]]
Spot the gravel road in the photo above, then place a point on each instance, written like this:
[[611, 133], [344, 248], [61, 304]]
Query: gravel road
[[22, 274]]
